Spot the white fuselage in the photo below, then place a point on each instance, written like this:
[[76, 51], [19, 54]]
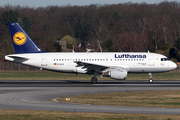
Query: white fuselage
[[133, 62]]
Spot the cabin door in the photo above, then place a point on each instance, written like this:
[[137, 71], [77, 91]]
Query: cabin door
[[44, 61], [151, 60]]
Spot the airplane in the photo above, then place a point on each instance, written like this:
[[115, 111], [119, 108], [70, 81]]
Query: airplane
[[115, 65]]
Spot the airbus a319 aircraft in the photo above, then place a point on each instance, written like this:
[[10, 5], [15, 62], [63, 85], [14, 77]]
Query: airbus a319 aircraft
[[116, 65]]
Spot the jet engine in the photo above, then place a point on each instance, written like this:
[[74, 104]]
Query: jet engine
[[118, 73]]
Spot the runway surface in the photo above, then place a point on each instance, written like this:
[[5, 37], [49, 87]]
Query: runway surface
[[37, 95], [85, 83]]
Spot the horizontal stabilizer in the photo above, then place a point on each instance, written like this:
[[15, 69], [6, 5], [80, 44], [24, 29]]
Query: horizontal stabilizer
[[19, 58]]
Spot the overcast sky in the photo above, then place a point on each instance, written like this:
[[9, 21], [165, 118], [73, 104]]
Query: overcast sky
[[44, 3]]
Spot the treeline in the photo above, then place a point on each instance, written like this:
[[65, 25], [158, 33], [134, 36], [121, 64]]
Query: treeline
[[127, 27]]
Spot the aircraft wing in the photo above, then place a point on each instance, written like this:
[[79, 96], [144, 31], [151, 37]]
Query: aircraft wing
[[99, 67], [92, 66]]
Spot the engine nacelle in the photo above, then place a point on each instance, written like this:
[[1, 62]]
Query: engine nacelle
[[118, 73]]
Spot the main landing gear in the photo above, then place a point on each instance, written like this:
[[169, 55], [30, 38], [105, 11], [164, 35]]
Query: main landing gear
[[150, 78], [94, 79]]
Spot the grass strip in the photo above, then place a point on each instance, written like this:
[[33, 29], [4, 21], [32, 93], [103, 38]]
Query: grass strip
[[53, 115], [162, 99], [48, 75]]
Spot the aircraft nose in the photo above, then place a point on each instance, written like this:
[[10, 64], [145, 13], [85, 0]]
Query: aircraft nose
[[173, 65]]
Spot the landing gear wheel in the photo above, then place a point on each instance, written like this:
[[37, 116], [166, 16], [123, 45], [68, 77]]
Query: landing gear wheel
[[94, 80], [150, 80]]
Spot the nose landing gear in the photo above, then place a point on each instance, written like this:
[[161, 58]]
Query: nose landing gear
[[150, 78]]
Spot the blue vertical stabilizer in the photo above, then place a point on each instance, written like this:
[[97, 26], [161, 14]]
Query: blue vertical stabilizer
[[21, 41]]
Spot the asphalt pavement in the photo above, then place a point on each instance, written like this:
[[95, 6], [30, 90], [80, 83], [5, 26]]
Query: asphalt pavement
[[38, 95]]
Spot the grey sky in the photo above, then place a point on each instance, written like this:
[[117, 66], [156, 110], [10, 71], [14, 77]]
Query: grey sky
[[44, 3]]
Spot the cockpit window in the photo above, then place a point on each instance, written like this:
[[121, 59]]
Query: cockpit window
[[164, 59]]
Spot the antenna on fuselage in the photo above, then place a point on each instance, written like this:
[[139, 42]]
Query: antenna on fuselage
[[73, 49], [148, 51]]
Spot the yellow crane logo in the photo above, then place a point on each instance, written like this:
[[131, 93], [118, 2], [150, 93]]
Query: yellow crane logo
[[19, 38]]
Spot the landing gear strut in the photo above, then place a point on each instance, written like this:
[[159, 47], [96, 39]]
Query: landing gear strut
[[150, 78], [94, 79]]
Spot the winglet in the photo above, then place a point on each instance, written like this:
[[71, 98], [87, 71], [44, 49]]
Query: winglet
[[21, 41]]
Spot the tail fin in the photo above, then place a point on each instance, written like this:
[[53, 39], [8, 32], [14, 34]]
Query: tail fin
[[21, 41]]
